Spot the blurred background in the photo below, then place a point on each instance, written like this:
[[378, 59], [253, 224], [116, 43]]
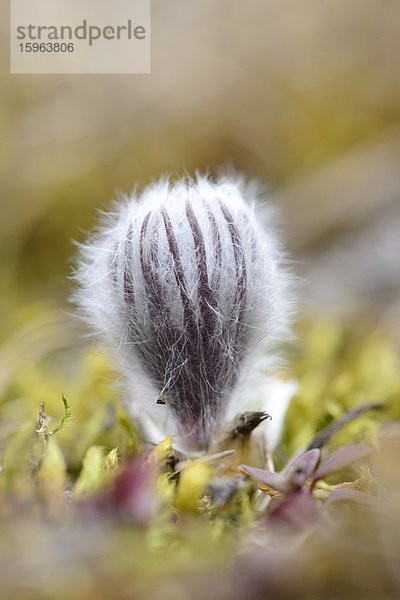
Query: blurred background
[[302, 94]]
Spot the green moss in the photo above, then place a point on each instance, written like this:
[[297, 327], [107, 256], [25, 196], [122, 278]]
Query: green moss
[[153, 528]]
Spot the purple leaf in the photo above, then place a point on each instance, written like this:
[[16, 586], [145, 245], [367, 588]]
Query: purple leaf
[[341, 458], [324, 436], [276, 481], [292, 478], [302, 467], [133, 493], [130, 497], [351, 495], [297, 510]]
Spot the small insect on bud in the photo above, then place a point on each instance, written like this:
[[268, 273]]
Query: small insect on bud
[[189, 292]]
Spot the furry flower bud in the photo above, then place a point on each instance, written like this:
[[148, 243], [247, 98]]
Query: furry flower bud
[[190, 293]]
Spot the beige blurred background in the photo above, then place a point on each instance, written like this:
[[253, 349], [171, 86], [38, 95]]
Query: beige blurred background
[[302, 94]]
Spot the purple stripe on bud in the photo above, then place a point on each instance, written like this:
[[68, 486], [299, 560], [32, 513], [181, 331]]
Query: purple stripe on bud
[[200, 288]]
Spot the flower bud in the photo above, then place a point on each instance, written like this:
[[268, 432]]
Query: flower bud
[[189, 292]]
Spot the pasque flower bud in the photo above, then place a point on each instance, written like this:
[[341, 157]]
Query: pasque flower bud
[[189, 291]]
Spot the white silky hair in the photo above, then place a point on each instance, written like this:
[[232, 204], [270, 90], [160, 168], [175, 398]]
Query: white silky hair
[[193, 297]]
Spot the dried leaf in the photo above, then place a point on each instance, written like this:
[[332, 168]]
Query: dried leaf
[[245, 423]]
